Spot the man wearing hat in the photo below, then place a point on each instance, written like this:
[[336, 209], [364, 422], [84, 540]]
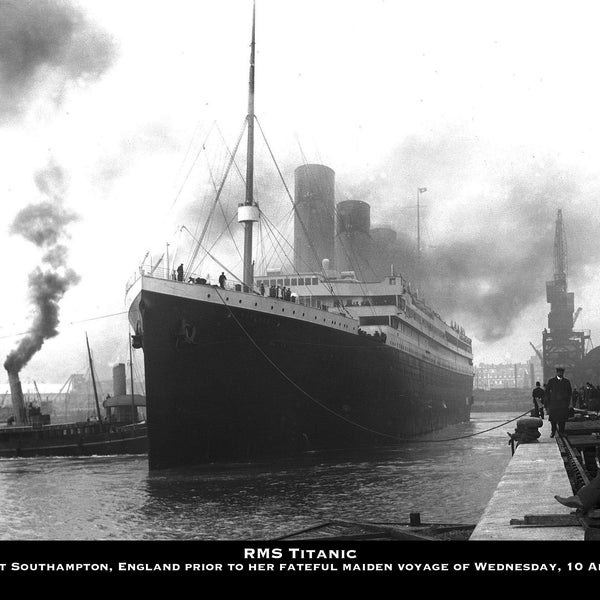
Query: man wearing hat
[[558, 400]]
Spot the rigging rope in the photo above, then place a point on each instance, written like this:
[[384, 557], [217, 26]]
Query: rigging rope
[[214, 257], [218, 196], [227, 223], [193, 163], [327, 284], [124, 312]]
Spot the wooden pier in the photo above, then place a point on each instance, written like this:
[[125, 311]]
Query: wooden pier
[[523, 506]]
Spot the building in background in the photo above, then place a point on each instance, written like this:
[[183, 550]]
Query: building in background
[[504, 376]]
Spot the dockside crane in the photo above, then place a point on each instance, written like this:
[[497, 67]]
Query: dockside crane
[[539, 354], [560, 253], [37, 393], [532, 372], [562, 345]]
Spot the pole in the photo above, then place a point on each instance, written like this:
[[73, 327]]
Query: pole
[[420, 190], [248, 271], [418, 224], [93, 379], [131, 376], [168, 265]]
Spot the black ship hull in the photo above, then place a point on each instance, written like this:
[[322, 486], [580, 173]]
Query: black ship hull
[[227, 383], [73, 439]]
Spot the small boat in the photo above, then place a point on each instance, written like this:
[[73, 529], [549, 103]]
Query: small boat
[[117, 432], [342, 530]]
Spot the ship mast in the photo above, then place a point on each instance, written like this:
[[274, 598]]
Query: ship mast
[[248, 212], [93, 379]]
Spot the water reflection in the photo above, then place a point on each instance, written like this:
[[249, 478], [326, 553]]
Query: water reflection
[[117, 498]]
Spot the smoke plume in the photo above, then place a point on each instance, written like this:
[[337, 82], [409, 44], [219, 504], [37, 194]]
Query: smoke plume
[[46, 42], [45, 225], [487, 226]]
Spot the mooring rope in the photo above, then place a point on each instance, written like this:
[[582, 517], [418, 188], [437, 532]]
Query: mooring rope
[[336, 414]]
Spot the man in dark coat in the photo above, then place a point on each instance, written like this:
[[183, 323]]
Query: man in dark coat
[[558, 400], [538, 396]]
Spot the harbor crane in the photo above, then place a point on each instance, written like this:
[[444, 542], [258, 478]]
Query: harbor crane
[[562, 345], [37, 393], [539, 354]]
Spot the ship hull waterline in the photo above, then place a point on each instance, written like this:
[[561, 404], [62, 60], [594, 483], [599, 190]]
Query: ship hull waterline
[[228, 383]]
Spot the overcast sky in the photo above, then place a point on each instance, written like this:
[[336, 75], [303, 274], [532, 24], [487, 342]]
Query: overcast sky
[[490, 105]]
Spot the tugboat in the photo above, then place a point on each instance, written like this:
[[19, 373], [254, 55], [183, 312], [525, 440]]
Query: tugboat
[[28, 432]]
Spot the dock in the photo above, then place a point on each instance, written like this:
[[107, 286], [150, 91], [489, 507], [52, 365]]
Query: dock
[[523, 506]]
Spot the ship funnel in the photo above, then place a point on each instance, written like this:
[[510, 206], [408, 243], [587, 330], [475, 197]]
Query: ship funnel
[[314, 204], [384, 236], [119, 380], [16, 395], [353, 242]]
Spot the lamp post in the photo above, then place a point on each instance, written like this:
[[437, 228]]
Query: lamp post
[[420, 191]]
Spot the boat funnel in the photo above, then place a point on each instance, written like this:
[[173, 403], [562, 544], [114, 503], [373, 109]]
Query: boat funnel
[[119, 380], [16, 396]]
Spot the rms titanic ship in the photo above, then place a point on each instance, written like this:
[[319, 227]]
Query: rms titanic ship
[[309, 358]]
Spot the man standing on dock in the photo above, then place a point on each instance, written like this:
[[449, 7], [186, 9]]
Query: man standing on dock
[[558, 400], [538, 396]]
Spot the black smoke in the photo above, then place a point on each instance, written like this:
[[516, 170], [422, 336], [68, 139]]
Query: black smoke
[[45, 224], [491, 215], [47, 41], [495, 263]]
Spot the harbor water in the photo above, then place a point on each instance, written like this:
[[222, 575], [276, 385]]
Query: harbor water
[[447, 477]]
